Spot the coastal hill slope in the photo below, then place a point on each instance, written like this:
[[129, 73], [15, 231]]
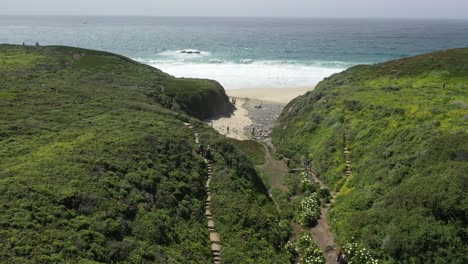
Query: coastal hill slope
[[97, 166], [406, 122]]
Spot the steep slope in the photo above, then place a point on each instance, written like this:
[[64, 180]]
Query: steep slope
[[406, 124], [95, 168]]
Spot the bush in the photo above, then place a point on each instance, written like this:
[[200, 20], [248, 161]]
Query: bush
[[309, 251], [358, 255], [308, 212]]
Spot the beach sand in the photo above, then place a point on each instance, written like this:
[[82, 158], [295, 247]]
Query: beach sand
[[256, 110], [277, 95], [237, 122]]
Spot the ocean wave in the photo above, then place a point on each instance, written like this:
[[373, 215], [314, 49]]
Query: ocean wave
[[246, 61], [257, 74]]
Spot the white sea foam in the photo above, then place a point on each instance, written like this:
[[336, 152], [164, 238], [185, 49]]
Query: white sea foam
[[256, 74]]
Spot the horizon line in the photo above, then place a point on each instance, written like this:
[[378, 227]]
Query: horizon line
[[235, 16]]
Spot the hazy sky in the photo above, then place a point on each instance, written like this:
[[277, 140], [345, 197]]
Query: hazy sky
[[452, 9]]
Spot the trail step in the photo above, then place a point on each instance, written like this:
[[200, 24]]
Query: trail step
[[211, 224], [216, 248], [214, 237]]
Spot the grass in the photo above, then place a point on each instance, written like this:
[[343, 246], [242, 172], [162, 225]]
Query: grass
[[252, 149], [406, 121], [96, 166]]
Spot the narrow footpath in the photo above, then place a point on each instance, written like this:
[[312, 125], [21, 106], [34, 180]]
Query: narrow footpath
[[321, 232], [215, 238]]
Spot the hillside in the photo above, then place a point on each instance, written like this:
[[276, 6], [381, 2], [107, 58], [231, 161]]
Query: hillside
[[406, 122], [96, 165]]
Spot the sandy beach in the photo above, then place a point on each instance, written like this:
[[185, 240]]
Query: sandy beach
[[256, 112], [276, 95], [235, 125]]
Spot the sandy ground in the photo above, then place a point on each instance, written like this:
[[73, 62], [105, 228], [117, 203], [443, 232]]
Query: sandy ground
[[235, 125], [256, 112], [277, 95]]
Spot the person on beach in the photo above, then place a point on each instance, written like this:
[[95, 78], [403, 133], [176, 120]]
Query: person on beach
[[253, 131], [227, 129]]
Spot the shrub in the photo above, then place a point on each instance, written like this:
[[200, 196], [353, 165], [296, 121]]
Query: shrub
[[358, 255], [309, 251], [309, 210]]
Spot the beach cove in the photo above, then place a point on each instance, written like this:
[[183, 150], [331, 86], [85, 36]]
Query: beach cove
[[256, 111]]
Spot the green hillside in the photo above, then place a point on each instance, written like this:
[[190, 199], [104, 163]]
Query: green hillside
[[407, 123], [96, 165]]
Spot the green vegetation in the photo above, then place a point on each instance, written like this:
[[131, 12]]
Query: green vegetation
[[407, 126], [199, 98], [251, 230], [308, 212], [309, 251], [96, 166], [252, 149]]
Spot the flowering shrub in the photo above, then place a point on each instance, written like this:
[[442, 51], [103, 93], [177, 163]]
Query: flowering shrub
[[291, 249], [309, 210], [324, 192], [305, 184], [358, 255], [309, 251]]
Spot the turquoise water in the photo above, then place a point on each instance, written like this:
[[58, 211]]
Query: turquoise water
[[243, 52]]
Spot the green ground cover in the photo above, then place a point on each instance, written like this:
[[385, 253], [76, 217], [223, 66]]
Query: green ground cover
[[407, 124], [96, 166]]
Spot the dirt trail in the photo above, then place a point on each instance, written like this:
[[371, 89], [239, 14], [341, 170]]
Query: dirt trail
[[323, 236], [215, 238], [321, 232]]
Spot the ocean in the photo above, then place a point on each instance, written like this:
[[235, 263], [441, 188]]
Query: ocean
[[243, 52]]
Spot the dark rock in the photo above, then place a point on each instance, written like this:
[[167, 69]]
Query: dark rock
[[190, 52]]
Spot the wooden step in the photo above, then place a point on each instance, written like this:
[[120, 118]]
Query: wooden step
[[216, 248], [214, 237], [211, 224]]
